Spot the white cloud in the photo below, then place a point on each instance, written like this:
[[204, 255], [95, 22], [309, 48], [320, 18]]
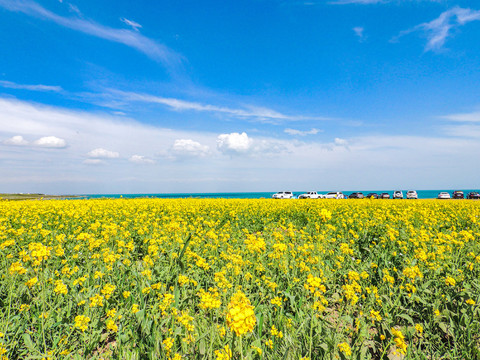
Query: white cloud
[[185, 148], [439, 29], [133, 39], [233, 143], [16, 140], [39, 87], [302, 133], [242, 144], [131, 23], [101, 153], [463, 117], [140, 159], [50, 142]]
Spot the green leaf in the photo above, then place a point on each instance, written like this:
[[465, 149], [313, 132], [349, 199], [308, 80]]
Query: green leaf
[[202, 346], [28, 342], [406, 317]]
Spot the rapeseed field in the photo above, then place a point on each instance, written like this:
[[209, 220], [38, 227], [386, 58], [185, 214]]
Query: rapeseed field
[[239, 279]]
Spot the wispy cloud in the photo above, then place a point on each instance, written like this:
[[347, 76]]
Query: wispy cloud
[[133, 39], [74, 9], [16, 140], [249, 111], [135, 26], [439, 29], [101, 153], [302, 133], [367, 2], [188, 148], [359, 32], [51, 142], [463, 117], [94, 162], [344, 2], [12, 85], [140, 159]]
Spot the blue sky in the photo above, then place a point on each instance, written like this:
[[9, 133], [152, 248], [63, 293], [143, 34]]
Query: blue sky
[[257, 95]]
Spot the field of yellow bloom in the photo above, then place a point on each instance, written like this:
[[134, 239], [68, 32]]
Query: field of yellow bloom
[[239, 279]]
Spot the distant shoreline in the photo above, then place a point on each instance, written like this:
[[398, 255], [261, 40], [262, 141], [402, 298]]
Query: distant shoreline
[[26, 196], [422, 194]]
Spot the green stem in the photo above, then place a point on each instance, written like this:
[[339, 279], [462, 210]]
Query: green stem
[[9, 304], [241, 348], [385, 349], [43, 314], [311, 335]]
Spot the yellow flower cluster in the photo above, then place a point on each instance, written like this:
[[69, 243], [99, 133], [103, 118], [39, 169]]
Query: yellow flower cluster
[[314, 284], [81, 322], [209, 299], [60, 287], [224, 354], [399, 340], [240, 316], [345, 348]]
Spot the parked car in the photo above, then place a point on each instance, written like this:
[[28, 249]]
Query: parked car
[[283, 195], [384, 196], [473, 195], [397, 194], [458, 195], [310, 195], [356, 195], [334, 195], [372, 195], [443, 195], [412, 194]]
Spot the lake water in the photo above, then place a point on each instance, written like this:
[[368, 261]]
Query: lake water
[[422, 194]]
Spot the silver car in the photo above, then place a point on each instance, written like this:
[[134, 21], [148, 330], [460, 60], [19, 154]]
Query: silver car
[[397, 194], [412, 194]]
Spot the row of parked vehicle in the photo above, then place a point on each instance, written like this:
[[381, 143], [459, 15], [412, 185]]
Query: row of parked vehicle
[[459, 195], [398, 194]]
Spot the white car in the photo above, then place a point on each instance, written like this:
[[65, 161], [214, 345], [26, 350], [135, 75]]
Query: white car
[[283, 195], [443, 195], [310, 195], [397, 194], [334, 195], [412, 194]]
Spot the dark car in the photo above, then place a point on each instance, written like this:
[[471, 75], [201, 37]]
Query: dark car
[[473, 195], [458, 195], [356, 195], [384, 196], [372, 195]]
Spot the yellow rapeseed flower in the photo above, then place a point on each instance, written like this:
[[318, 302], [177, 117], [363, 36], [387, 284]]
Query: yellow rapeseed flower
[[60, 287], [111, 325], [32, 282], [345, 348], [81, 322], [240, 315]]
